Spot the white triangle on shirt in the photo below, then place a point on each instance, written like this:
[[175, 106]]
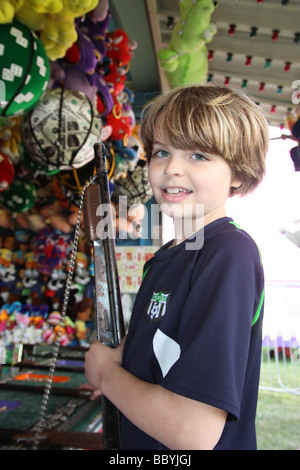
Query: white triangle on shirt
[[166, 350]]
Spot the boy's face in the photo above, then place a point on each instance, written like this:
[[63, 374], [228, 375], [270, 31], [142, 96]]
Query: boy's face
[[190, 183]]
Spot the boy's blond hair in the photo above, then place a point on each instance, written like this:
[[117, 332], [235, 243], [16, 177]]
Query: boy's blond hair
[[211, 119]]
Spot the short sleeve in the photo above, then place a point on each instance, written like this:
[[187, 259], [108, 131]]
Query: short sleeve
[[216, 323]]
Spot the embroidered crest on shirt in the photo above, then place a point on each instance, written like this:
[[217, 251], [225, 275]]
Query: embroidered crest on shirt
[[157, 306]]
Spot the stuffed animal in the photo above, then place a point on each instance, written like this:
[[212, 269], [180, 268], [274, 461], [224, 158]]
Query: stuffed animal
[[8, 9], [135, 185], [185, 58], [95, 26], [55, 21], [27, 77], [120, 50], [79, 69], [51, 248], [19, 196], [81, 315], [57, 147], [7, 171], [33, 13], [10, 137]]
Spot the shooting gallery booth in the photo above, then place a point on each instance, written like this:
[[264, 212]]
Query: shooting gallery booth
[[71, 79]]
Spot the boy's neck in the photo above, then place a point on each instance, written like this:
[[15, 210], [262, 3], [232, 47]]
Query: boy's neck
[[184, 231]]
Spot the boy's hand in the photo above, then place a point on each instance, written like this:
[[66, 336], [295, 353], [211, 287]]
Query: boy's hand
[[99, 360], [95, 392]]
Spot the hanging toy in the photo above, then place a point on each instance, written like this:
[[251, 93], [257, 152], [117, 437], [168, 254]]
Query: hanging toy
[[54, 21], [296, 38], [231, 30], [275, 34], [268, 63], [210, 55], [185, 58], [253, 32], [25, 69], [19, 196], [7, 171], [51, 248], [279, 89], [248, 60], [135, 185], [60, 132]]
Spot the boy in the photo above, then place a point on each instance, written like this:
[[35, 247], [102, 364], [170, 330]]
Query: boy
[[187, 377]]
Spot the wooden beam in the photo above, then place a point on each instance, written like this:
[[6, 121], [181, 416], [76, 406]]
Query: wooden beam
[[53, 437]]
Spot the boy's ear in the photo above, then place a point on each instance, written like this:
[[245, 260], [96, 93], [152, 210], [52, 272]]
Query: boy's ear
[[236, 181], [235, 184]]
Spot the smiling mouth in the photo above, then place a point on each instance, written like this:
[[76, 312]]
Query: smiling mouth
[[176, 190]]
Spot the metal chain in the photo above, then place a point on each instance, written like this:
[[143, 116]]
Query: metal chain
[[68, 286]]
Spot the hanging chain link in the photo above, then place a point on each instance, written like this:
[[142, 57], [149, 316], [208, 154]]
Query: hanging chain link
[[68, 286]]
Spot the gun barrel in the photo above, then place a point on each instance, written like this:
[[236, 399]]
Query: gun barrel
[[109, 316]]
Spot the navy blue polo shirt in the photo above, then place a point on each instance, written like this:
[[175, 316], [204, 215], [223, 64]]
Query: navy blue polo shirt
[[195, 329]]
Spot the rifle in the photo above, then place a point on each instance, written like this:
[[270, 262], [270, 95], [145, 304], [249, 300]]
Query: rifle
[[109, 317]]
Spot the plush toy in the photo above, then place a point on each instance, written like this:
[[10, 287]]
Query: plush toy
[[7, 171], [115, 77], [76, 178], [55, 22], [95, 26], [82, 276], [8, 9], [57, 36], [60, 132], [10, 137], [69, 328], [121, 129], [26, 78], [22, 238], [120, 50], [33, 13], [128, 156], [79, 70], [185, 58], [50, 248], [55, 328], [135, 186], [81, 315], [35, 169], [19, 196], [8, 315], [3, 320], [100, 12]]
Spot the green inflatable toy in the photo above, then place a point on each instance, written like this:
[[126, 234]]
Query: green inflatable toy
[[185, 59], [19, 197], [25, 69]]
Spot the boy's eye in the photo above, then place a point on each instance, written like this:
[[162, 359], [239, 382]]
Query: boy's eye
[[198, 156], [161, 153]]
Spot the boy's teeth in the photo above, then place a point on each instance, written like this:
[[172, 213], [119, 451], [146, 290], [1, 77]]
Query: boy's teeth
[[175, 190]]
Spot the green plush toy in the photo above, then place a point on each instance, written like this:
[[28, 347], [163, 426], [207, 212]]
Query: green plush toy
[[185, 59], [24, 69]]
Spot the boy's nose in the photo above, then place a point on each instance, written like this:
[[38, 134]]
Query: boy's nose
[[174, 167]]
